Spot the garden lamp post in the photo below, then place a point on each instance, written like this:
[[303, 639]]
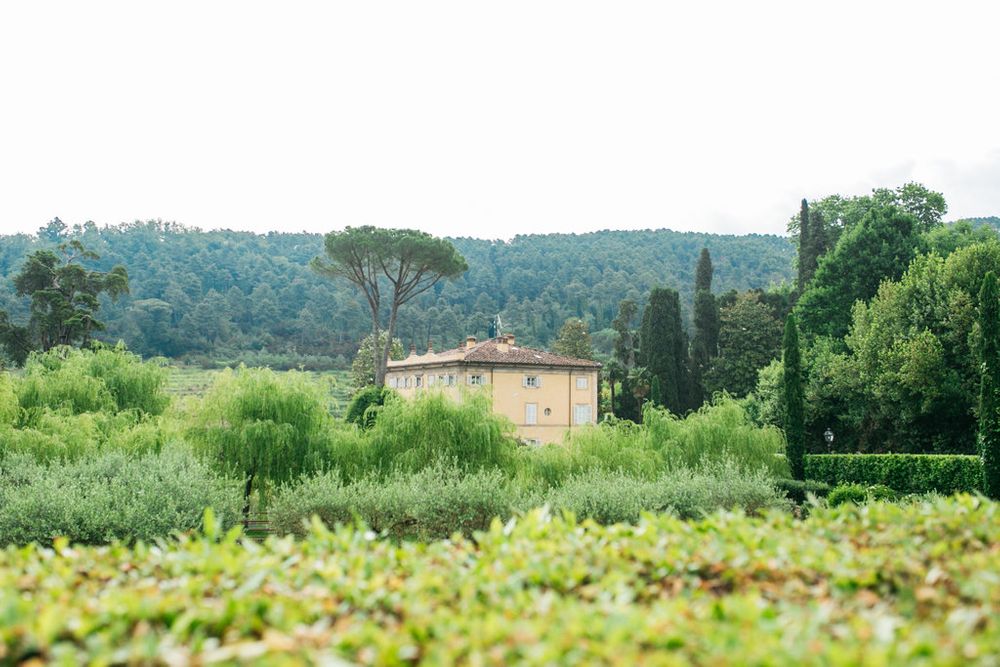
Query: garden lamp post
[[828, 436]]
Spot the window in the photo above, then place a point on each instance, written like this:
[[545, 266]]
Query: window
[[548, 412], [581, 382], [418, 380], [406, 382], [451, 380], [477, 380], [581, 413], [393, 383], [531, 413], [531, 381], [430, 380], [531, 442]]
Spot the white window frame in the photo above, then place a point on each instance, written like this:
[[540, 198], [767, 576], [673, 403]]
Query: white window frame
[[477, 380], [577, 409], [582, 382], [418, 381], [530, 414], [430, 380], [531, 381], [393, 383]]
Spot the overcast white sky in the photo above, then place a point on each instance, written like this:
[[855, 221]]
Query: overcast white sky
[[490, 119]]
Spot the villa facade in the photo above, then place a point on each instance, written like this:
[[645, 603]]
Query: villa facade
[[544, 394]]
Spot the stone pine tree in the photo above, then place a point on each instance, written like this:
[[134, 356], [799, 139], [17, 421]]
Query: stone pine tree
[[403, 262], [989, 389], [705, 343], [663, 347], [794, 400]]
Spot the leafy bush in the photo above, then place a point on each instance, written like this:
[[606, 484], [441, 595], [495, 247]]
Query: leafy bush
[[716, 433], [262, 426], [904, 473], [414, 434], [365, 405], [113, 496], [432, 503], [9, 408], [847, 493], [612, 497], [98, 380], [440, 500], [832, 589]]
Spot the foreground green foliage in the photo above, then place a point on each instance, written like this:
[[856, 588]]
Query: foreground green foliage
[[905, 473], [833, 589]]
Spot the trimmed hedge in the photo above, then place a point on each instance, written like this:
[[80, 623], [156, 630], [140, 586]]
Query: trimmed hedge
[[905, 473]]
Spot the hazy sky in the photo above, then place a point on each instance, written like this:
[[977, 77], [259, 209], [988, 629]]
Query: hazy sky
[[490, 119]]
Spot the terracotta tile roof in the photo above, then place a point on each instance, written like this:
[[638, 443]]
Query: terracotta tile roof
[[491, 352]]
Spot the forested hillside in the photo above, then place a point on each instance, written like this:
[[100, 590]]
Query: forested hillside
[[213, 293]]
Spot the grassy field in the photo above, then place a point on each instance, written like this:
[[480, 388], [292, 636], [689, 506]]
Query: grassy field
[[195, 381]]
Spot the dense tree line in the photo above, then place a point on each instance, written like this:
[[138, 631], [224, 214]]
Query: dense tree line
[[220, 293]]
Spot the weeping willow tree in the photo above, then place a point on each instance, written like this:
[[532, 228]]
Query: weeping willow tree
[[264, 427]]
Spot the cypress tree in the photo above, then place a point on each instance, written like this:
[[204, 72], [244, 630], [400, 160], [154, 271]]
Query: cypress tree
[[663, 347], [807, 263], [989, 388], [705, 344], [655, 394], [703, 272], [794, 400]]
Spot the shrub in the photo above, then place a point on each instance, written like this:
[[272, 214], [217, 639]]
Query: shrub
[[612, 497], [440, 500], [365, 404], [421, 432], [102, 379], [113, 496], [847, 493], [262, 426], [720, 432], [9, 408], [903, 473], [430, 504]]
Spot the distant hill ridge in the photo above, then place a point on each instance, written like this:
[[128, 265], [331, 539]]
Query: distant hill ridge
[[207, 292]]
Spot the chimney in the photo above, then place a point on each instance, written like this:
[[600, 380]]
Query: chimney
[[470, 342], [413, 350], [430, 346], [510, 339]]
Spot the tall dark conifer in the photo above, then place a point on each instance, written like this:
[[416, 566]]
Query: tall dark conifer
[[807, 266], [625, 356], [663, 347], [989, 388], [794, 400], [705, 343]]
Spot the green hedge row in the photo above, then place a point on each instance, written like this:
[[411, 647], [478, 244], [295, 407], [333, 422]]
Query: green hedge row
[[905, 473]]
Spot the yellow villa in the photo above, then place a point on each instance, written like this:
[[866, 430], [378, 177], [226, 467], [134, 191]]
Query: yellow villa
[[543, 393]]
